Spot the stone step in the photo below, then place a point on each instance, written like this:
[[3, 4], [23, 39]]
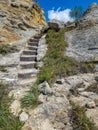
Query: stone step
[[27, 73], [25, 82], [32, 48], [29, 52], [28, 58], [34, 40], [27, 65], [33, 43]]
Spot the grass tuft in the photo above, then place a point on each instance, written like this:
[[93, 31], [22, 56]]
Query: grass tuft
[[6, 48], [79, 119], [31, 99]]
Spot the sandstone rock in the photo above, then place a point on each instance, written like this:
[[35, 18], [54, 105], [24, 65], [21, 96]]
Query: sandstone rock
[[42, 98], [96, 101], [60, 81], [23, 117], [55, 24], [27, 128], [45, 88], [14, 4], [93, 113], [12, 13], [15, 107], [42, 48], [81, 101], [91, 104], [46, 125], [87, 94]]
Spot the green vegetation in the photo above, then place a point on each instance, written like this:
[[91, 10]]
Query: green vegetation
[[7, 120], [79, 119], [56, 63], [87, 67], [31, 99], [6, 48]]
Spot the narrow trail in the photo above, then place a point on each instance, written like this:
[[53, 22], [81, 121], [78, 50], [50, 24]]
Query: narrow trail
[[27, 73]]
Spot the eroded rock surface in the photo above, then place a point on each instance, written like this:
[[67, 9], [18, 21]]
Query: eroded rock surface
[[18, 17], [83, 41]]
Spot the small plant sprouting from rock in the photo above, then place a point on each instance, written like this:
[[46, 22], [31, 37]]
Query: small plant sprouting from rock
[[6, 48], [79, 119], [31, 99]]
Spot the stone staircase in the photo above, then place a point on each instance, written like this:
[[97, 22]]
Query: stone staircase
[[27, 73]]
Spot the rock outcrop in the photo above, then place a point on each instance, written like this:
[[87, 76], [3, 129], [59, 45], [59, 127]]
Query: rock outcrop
[[83, 41], [55, 24], [18, 19]]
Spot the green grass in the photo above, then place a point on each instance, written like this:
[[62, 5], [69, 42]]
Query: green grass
[[87, 67], [79, 119], [56, 63], [7, 120], [31, 99], [6, 48]]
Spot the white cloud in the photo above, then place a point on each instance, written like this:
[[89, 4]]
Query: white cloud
[[62, 15]]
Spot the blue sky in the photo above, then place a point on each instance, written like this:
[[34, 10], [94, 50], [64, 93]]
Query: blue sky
[[57, 8]]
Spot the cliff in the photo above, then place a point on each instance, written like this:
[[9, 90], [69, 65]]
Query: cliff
[[18, 17], [83, 40]]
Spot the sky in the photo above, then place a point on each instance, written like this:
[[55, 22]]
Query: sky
[[60, 9]]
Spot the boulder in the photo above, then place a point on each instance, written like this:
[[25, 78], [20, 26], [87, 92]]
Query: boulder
[[23, 117], [45, 88], [55, 24], [91, 104]]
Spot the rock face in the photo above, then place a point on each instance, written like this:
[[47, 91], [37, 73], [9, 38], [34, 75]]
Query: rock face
[[83, 41], [18, 17]]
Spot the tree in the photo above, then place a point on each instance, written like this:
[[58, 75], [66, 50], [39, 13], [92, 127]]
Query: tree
[[76, 12]]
